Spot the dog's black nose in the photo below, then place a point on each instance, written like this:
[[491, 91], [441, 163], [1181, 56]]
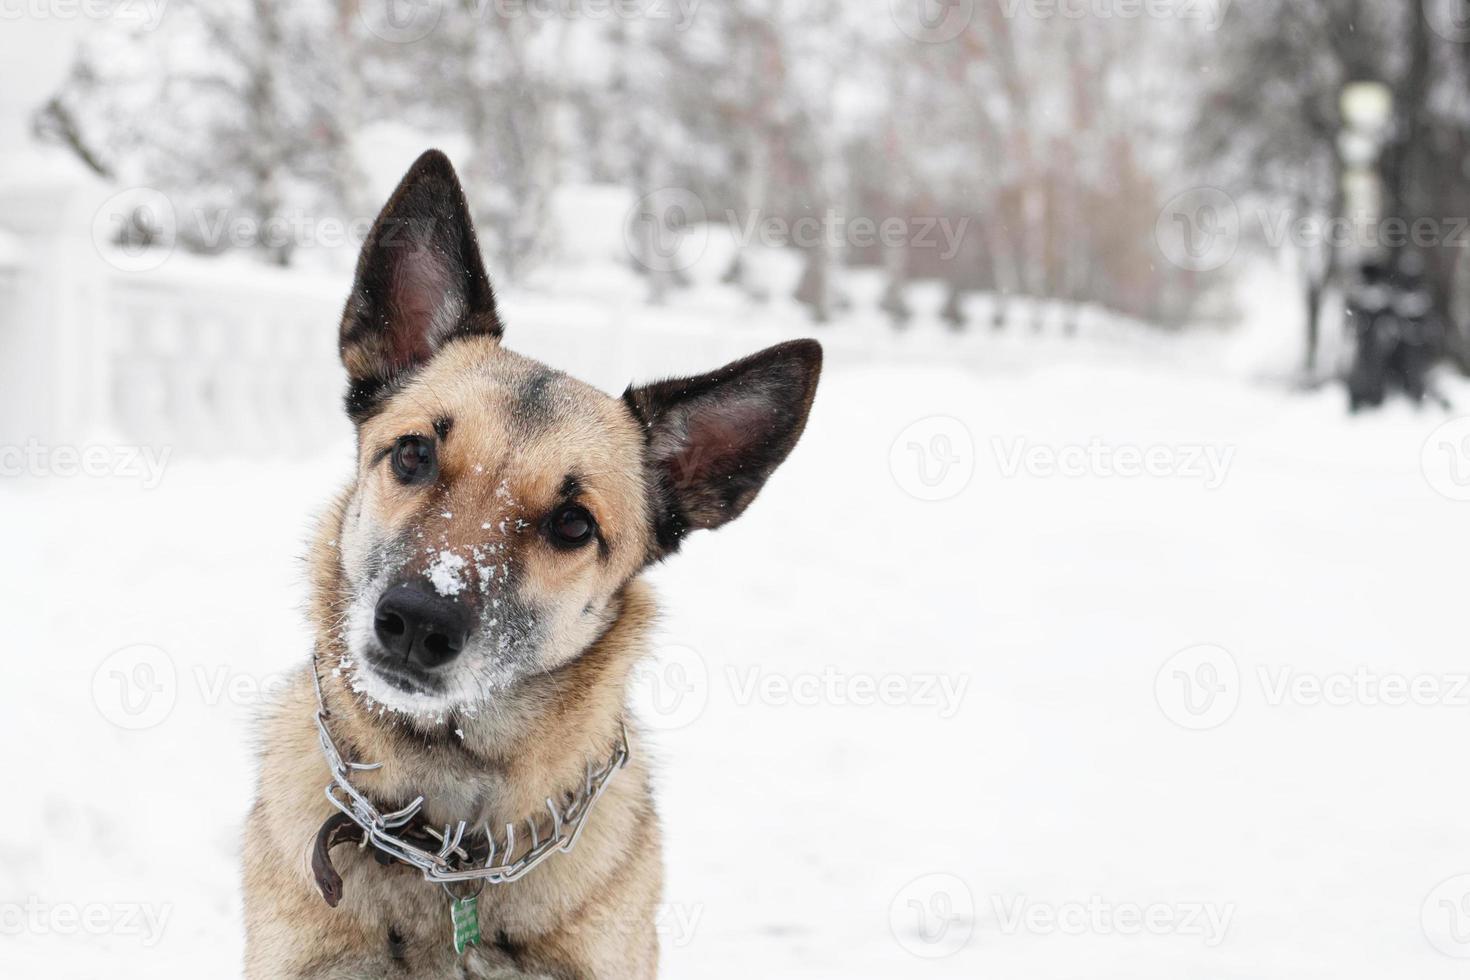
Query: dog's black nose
[[421, 626]]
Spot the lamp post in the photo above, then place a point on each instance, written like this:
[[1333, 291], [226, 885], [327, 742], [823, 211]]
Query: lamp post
[[1391, 312], [1367, 116]]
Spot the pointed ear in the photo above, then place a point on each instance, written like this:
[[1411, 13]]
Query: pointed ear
[[712, 441], [420, 283]]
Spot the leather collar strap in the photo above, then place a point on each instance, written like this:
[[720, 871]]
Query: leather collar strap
[[340, 828]]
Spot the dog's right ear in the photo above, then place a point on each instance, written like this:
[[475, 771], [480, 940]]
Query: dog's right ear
[[420, 284]]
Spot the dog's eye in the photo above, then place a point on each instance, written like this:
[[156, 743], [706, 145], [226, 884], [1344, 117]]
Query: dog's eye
[[413, 459], [571, 526]]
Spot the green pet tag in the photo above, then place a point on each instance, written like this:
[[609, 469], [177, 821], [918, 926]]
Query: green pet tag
[[465, 914]]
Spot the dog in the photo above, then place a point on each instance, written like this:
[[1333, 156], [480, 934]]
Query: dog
[[477, 610]]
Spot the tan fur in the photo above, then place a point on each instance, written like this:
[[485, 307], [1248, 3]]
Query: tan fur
[[587, 913]]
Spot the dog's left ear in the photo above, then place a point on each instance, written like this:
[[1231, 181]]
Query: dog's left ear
[[713, 440], [420, 283]]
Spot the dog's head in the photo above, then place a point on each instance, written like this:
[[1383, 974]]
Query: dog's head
[[500, 507]]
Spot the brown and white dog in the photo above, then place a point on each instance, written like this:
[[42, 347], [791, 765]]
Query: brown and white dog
[[478, 610]]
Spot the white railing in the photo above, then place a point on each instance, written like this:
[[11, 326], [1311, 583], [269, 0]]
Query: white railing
[[215, 365], [222, 357]]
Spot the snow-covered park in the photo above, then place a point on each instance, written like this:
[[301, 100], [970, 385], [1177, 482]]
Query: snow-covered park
[[1088, 636]]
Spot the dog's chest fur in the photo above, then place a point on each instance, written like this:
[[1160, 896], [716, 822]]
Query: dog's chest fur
[[585, 913]]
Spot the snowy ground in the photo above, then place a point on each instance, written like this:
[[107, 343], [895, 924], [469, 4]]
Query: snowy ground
[[1035, 759]]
